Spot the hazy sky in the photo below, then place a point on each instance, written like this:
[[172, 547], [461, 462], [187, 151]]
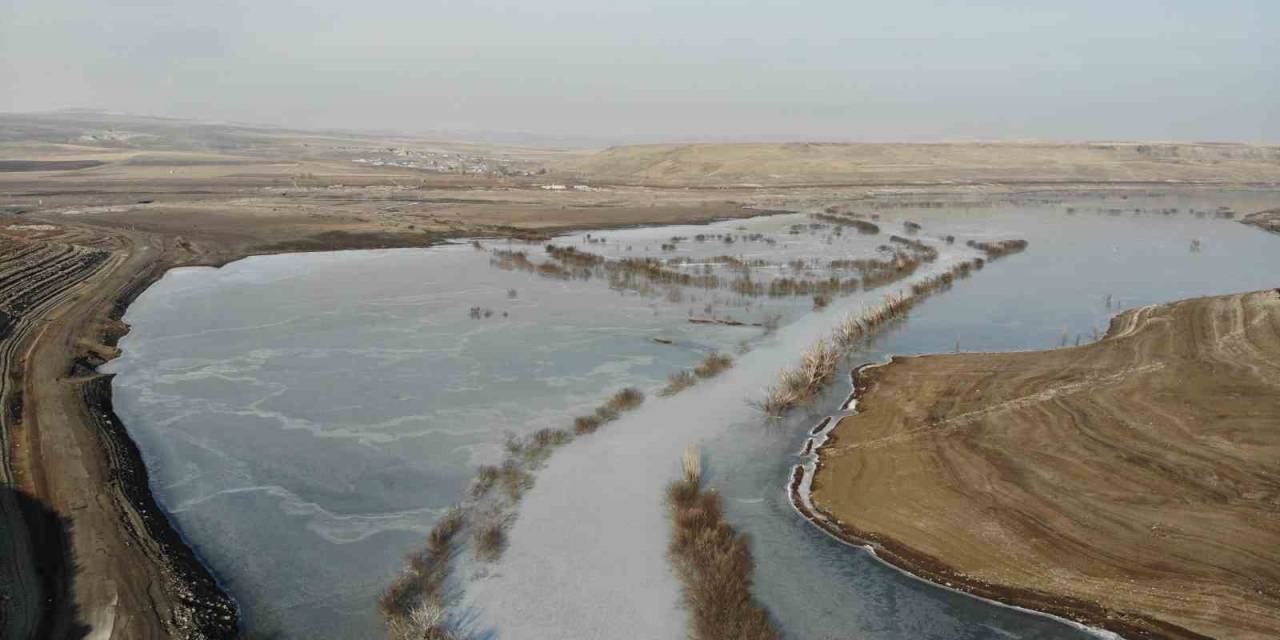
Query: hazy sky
[[711, 69]]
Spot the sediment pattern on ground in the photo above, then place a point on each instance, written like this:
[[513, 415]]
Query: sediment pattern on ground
[[1131, 483]]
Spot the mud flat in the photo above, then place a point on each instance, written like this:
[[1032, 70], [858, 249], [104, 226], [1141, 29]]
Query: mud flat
[[1130, 484]]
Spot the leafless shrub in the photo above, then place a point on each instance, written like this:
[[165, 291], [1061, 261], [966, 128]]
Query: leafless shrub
[[999, 249], [918, 249], [585, 424], [677, 382], [691, 462], [801, 383], [573, 257], [848, 331], [625, 400], [486, 477], [489, 539], [713, 365], [427, 621], [714, 564], [543, 441], [514, 479], [421, 582]]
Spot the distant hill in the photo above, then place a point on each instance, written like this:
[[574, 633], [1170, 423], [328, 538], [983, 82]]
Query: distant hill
[[715, 165]]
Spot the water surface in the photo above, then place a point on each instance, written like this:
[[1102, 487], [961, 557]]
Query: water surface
[[305, 418]]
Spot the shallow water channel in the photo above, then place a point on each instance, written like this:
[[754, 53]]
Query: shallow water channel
[[306, 418]]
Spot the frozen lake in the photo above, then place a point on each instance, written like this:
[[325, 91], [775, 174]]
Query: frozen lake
[[306, 418]]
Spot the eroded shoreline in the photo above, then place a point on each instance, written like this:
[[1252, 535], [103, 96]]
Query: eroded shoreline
[[922, 566]]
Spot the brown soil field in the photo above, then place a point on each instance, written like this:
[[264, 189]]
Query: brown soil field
[[869, 164], [1132, 483]]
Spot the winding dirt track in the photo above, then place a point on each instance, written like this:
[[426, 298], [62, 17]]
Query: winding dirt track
[[1133, 483]]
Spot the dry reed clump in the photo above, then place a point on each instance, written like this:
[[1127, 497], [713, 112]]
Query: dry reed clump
[[629, 273], [784, 286], [519, 261], [862, 226], [489, 538], [848, 332], [421, 583], [511, 260], [427, 621], [919, 250], [486, 477], [514, 479], [691, 463], [622, 401], [713, 365], [713, 562], [573, 257], [944, 280], [625, 400], [745, 286], [710, 366], [1000, 249], [903, 263], [543, 441], [585, 424], [801, 383], [677, 382]]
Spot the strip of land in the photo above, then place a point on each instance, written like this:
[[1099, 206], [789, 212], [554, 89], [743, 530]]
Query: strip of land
[[1132, 483]]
